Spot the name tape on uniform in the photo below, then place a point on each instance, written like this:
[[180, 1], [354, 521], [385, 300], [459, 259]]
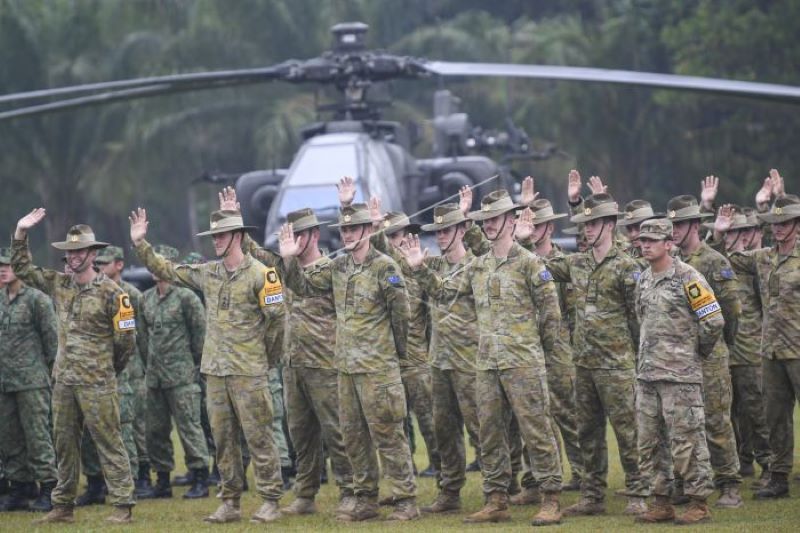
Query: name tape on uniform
[[125, 319], [272, 292], [701, 300]]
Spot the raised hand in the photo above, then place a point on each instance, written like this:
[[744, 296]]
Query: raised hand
[[724, 219], [227, 199], [764, 194], [524, 228], [412, 252], [375, 213], [596, 185], [465, 199], [574, 185], [347, 190], [139, 225], [709, 187], [528, 191], [778, 190], [287, 243], [29, 221]]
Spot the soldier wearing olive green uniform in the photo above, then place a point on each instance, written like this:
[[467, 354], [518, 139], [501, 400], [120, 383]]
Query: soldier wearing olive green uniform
[[371, 338], [96, 333], [685, 215], [242, 307], [634, 213], [173, 319], [28, 345]]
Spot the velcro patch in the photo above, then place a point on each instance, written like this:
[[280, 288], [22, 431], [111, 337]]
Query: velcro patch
[[726, 273], [394, 280], [701, 300], [546, 275], [635, 275], [125, 319], [707, 310], [272, 291]]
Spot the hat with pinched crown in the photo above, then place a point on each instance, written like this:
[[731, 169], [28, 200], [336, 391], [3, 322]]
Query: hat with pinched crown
[[109, 254], [752, 217], [79, 237], [637, 211], [542, 212], [395, 221], [5, 256], [784, 209], [353, 215], [303, 219], [225, 220], [740, 221], [685, 207], [167, 252], [444, 216], [494, 204], [596, 206], [658, 229]]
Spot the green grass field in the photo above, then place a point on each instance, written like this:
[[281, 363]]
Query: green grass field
[[174, 515]]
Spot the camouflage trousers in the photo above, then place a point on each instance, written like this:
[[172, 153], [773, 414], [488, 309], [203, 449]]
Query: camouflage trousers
[[89, 457], [748, 415], [140, 419], [601, 394], [419, 395], [96, 409], [278, 417], [312, 401], [182, 404], [26, 443], [670, 415], [204, 422], [523, 393], [372, 408], [239, 404], [782, 386], [717, 398], [454, 407]]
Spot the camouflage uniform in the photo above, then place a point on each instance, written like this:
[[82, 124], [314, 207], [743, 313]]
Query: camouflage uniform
[[241, 309], [28, 345], [136, 377], [96, 340], [175, 327]]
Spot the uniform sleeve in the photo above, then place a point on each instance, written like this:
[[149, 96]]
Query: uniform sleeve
[[439, 289], [475, 241], [137, 301], [630, 278], [559, 267], [39, 278], [711, 321], [723, 283], [194, 317], [267, 257], [124, 340], [394, 292], [545, 300], [185, 275], [745, 261], [46, 325], [312, 281]]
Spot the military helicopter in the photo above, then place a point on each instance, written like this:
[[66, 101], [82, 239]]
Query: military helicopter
[[357, 142]]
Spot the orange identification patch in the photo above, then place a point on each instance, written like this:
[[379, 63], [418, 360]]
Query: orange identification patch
[[701, 300], [125, 319], [272, 292]]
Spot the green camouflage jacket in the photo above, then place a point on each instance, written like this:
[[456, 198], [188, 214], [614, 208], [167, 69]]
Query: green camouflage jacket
[[96, 323], [241, 309], [175, 325], [28, 340], [371, 308], [136, 366], [681, 321], [606, 330], [512, 295]]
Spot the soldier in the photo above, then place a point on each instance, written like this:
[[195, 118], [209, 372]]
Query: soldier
[[512, 290], [241, 295], [685, 215], [111, 261], [634, 213], [680, 324], [605, 339], [96, 334], [371, 334], [778, 271], [173, 320], [28, 345]]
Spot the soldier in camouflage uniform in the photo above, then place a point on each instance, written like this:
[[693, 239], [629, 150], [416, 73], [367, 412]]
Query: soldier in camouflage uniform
[[605, 339], [243, 301], [371, 334], [778, 272], [685, 215], [173, 320], [634, 213], [512, 290], [96, 334], [681, 322], [28, 345]]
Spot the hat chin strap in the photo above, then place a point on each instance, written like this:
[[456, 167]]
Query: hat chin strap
[[83, 266], [500, 231], [794, 226], [227, 248], [597, 239]]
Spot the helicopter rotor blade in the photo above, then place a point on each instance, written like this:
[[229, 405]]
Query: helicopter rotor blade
[[625, 77]]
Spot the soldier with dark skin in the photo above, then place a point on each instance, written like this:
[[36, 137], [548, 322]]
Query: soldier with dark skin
[[96, 331], [28, 345]]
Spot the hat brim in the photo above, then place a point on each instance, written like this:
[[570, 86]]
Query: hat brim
[[348, 224], [549, 218], [654, 236], [411, 228], [771, 218], [637, 220], [710, 226], [691, 217], [581, 218], [430, 228], [486, 215], [216, 231], [71, 246]]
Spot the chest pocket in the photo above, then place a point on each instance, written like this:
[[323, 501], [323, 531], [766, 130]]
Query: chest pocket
[[786, 280], [363, 294]]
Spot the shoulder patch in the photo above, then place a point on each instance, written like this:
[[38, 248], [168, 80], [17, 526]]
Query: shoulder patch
[[636, 275], [125, 319], [726, 273], [701, 300], [546, 275], [272, 291], [393, 279]]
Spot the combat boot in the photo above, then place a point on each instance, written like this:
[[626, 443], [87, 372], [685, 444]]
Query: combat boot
[[550, 511], [447, 501], [162, 488], [729, 497], [366, 508], [301, 506], [763, 479], [778, 487], [200, 486], [268, 512], [122, 514], [17, 499], [143, 484], [495, 510], [513, 486], [429, 472], [746, 469], [186, 480], [286, 476], [229, 511], [474, 466], [347, 502], [213, 477], [405, 510], [661, 510], [386, 501], [60, 513], [527, 496], [95, 492], [635, 506], [679, 498], [42, 503], [574, 484], [696, 513], [586, 507]]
